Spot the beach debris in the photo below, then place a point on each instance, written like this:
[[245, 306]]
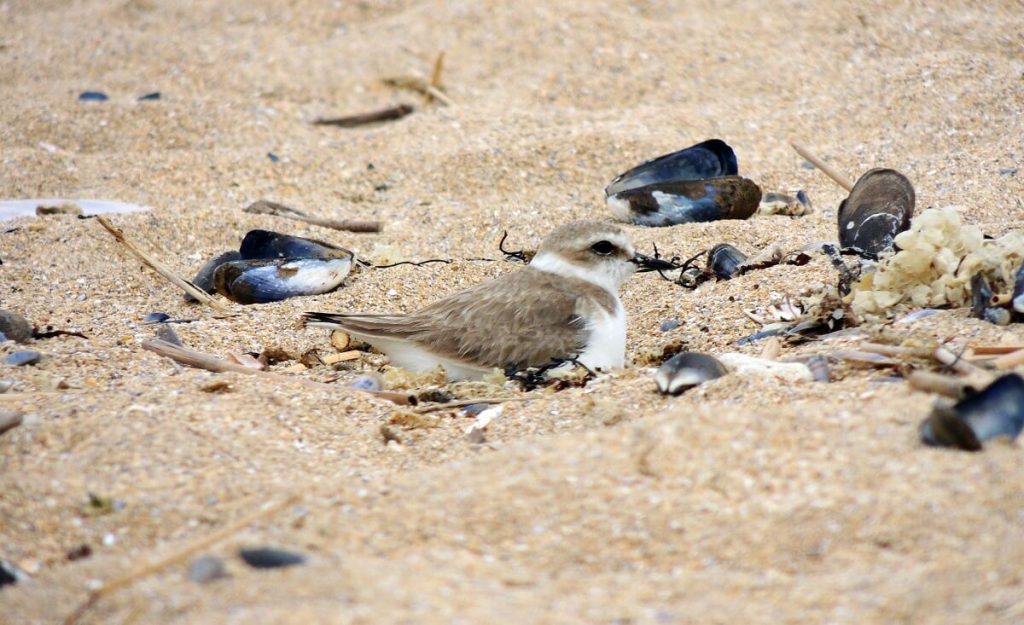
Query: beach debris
[[745, 365], [263, 281], [937, 259], [9, 420], [981, 302], [155, 95], [951, 386], [160, 268], [686, 370], [1017, 300], [340, 340], [266, 207], [390, 113], [131, 577], [200, 360], [430, 89], [80, 552], [5, 385], [11, 573], [825, 168], [997, 411], [14, 327], [270, 557], [368, 382], [22, 358], [724, 260], [155, 317], [97, 505], [65, 208], [695, 184], [206, 568], [878, 208], [274, 158], [818, 365], [686, 201], [475, 431], [166, 333], [204, 277], [247, 360], [782, 204], [9, 209], [272, 266], [669, 324], [93, 96]]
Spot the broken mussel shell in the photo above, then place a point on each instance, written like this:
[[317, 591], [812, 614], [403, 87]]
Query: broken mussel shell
[[782, 204], [724, 260], [259, 281], [271, 266], [1018, 291], [686, 201], [878, 208], [711, 159], [204, 277], [981, 302], [995, 411], [686, 370]]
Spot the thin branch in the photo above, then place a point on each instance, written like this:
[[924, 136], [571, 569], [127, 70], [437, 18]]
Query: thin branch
[[470, 402], [266, 207], [825, 168], [388, 114], [161, 269]]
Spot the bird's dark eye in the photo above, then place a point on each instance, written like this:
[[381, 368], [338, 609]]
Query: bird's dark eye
[[603, 248]]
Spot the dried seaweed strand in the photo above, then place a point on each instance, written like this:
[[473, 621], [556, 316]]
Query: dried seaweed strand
[[161, 269], [825, 168], [177, 556], [419, 85], [200, 360]]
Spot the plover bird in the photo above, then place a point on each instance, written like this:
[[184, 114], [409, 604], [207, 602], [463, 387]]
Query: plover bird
[[564, 305]]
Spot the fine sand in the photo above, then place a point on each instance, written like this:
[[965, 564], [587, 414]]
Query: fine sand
[[748, 500]]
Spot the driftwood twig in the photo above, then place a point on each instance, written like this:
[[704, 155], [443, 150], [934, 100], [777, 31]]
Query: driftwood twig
[[266, 207], [162, 269], [388, 114], [825, 168]]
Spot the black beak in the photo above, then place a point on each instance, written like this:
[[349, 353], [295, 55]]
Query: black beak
[[649, 263]]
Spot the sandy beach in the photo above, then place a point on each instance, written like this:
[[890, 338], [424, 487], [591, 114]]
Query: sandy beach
[[745, 500]]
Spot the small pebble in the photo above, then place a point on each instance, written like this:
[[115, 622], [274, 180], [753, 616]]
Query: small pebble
[[807, 165], [273, 157], [473, 410], [367, 382], [5, 385], [18, 359], [9, 420], [669, 324], [1008, 171], [14, 326], [93, 96], [206, 568], [270, 558], [149, 96]]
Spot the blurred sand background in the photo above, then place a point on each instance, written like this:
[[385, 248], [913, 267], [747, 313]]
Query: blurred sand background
[[744, 501]]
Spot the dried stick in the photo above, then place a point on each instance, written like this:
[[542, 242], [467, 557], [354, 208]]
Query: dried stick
[[896, 350], [825, 168], [995, 350], [419, 85], [435, 77], [1009, 361], [200, 360], [266, 207], [947, 385], [161, 269], [388, 114], [176, 556], [470, 402]]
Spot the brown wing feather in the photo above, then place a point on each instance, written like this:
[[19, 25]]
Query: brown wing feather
[[521, 319]]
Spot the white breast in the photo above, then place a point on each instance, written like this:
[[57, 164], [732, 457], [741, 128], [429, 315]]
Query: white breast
[[606, 343]]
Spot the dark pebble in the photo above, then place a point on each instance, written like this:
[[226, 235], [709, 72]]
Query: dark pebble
[[273, 157], [206, 568], [18, 359], [14, 327], [1008, 171], [807, 165], [80, 552], [473, 410], [270, 558], [156, 317], [149, 96], [669, 324], [93, 96]]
